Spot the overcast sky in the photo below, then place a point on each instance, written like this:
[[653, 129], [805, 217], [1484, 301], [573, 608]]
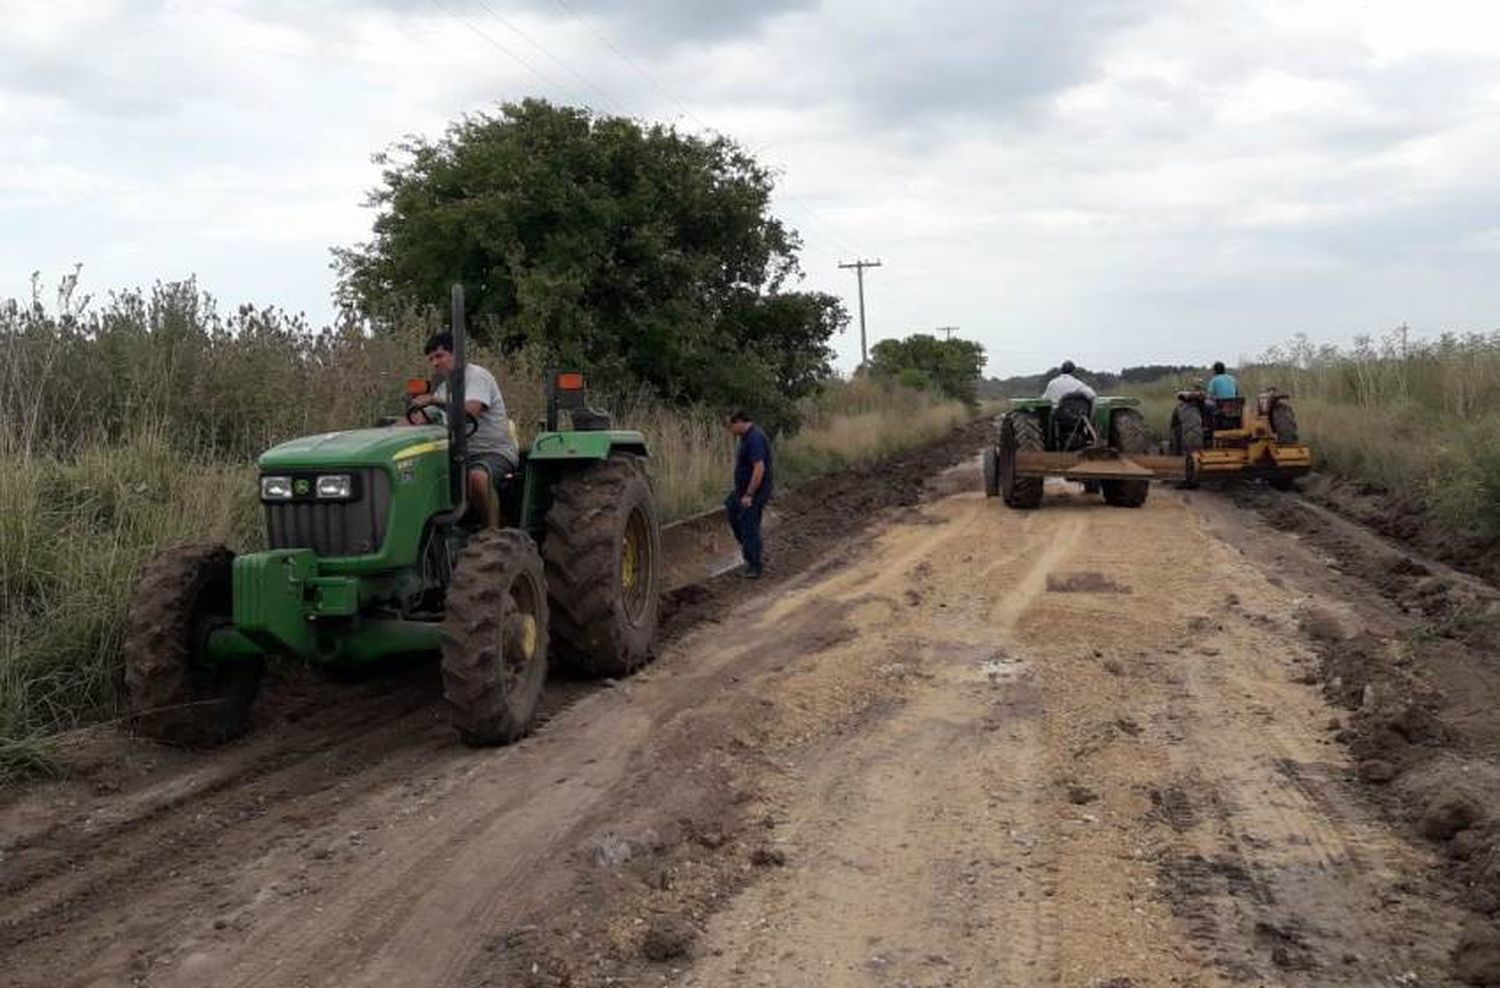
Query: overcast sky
[[1116, 181]]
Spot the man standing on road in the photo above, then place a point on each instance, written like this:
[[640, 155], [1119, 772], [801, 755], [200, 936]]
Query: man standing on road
[[492, 450], [752, 489], [1065, 384]]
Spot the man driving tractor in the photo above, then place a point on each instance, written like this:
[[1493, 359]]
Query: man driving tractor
[[1222, 384], [492, 450], [1065, 384]]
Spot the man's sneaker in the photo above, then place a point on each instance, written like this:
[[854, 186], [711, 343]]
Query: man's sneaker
[[751, 574]]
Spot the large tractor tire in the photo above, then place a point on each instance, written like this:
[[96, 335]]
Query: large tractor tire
[[603, 555], [991, 459], [1020, 432], [171, 693], [1284, 423], [1187, 437], [494, 637], [1129, 435]]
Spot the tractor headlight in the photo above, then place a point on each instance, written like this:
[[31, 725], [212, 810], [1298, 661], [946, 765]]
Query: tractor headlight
[[335, 487], [275, 488]]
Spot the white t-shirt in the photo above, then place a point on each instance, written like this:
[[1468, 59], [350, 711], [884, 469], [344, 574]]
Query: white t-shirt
[[1066, 384], [493, 434]]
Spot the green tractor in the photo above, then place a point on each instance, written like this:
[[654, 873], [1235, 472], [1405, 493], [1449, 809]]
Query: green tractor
[[371, 559], [1101, 442]]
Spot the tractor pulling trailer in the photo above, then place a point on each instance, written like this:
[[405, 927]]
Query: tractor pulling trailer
[[1104, 444], [370, 558]]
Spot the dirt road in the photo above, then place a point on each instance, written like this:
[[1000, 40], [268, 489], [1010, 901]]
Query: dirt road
[[949, 744]]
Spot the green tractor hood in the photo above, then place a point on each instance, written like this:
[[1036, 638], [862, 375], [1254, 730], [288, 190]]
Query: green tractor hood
[[356, 448]]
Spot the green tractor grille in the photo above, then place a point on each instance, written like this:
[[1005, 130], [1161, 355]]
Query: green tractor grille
[[334, 528]]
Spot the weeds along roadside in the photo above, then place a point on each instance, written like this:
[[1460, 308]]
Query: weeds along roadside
[[137, 426]]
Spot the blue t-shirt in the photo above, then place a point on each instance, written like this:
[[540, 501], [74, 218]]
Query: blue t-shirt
[[755, 447], [1223, 386]]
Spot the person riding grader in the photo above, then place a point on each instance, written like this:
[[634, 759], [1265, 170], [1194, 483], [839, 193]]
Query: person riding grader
[[1219, 434]]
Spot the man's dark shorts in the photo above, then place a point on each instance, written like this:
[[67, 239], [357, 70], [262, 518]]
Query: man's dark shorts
[[497, 465]]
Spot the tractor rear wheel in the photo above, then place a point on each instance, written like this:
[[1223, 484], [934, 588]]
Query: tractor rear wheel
[[603, 554], [1020, 432], [991, 472], [172, 694], [1284, 423], [494, 637], [1128, 435], [1187, 437]]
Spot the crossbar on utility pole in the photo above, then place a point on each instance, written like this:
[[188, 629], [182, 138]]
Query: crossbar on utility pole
[[859, 274], [947, 332]]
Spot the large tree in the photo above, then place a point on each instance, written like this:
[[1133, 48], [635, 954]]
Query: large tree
[[923, 360], [646, 255]]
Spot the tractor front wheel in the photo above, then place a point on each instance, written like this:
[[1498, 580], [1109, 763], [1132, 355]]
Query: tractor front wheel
[[172, 693], [494, 637], [603, 553], [1020, 432], [991, 459], [1128, 435]]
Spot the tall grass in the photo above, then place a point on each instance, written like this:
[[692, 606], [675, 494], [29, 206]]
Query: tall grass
[[856, 422], [1418, 420], [134, 423]]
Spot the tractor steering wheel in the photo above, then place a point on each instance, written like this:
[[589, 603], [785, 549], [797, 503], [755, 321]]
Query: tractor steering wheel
[[434, 415], [419, 414]]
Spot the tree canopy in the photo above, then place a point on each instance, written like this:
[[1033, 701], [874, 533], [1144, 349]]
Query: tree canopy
[[924, 361], [644, 255]]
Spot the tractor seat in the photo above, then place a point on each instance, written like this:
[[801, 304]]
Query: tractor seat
[[1070, 421], [1229, 413]]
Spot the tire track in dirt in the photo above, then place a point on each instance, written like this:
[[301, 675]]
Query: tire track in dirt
[[914, 880], [1149, 797]]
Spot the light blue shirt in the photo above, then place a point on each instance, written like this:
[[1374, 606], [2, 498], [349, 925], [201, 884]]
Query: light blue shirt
[[1223, 386]]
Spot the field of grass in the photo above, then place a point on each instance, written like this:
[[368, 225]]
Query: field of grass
[[135, 424]]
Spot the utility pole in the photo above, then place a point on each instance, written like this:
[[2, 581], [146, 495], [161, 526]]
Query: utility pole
[[947, 332], [859, 273]]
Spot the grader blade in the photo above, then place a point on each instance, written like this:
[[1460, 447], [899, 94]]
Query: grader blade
[[1099, 465]]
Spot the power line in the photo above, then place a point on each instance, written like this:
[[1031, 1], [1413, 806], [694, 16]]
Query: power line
[[548, 80], [809, 212], [604, 39], [604, 96]]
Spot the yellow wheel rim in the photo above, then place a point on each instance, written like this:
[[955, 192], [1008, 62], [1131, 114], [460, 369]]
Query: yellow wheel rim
[[629, 560], [528, 635]]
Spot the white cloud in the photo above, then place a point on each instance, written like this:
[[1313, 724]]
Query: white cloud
[[1134, 181]]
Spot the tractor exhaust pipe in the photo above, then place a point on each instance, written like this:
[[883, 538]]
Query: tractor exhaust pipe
[[458, 432]]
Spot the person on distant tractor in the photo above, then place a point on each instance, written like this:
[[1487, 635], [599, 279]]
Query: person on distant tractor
[[1065, 384], [492, 450], [1222, 384]]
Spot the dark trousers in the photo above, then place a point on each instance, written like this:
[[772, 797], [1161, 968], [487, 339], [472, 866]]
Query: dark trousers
[[745, 524]]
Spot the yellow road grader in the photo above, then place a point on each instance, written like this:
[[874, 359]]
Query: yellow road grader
[[1227, 436]]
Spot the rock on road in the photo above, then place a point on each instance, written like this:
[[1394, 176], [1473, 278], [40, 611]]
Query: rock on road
[[1078, 746]]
